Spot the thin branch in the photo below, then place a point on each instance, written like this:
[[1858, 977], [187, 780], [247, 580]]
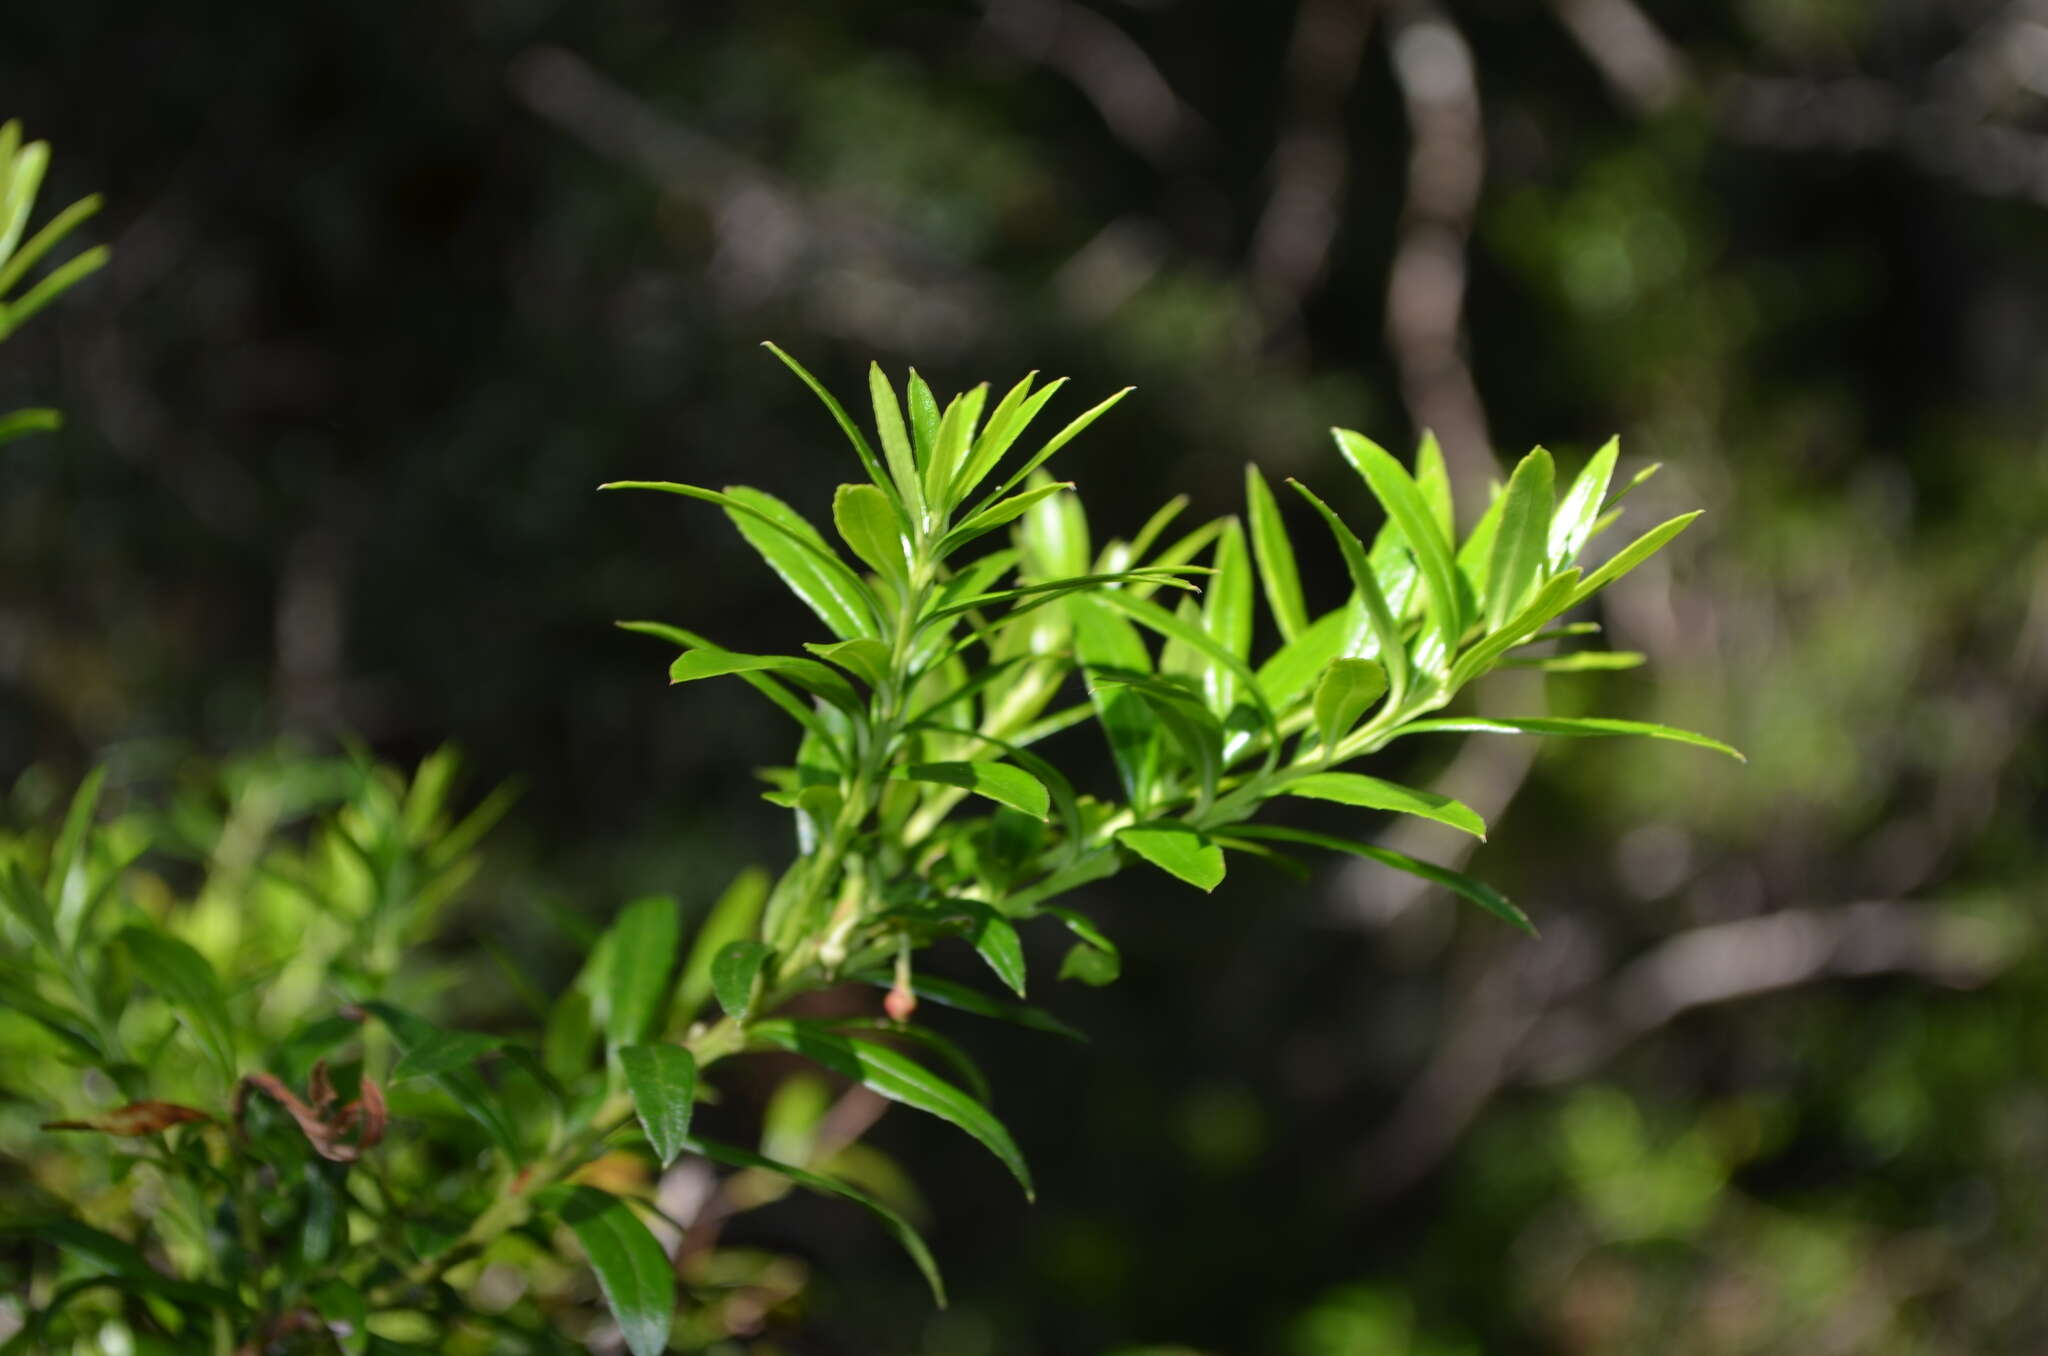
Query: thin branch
[[1109, 68], [1638, 62]]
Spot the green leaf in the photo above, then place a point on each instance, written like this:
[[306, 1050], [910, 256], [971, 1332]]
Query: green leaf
[[640, 954], [1178, 849], [1575, 726], [899, 1079], [1275, 554], [924, 419], [1158, 619], [1227, 617], [734, 973], [792, 548], [867, 660], [116, 1258], [1580, 661], [1478, 891], [797, 710], [442, 1052], [14, 269], [1390, 649], [807, 674], [995, 940], [1572, 526], [1348, 688], [638, 1283], [1104, 643], [1370, 793], [54, 284], [898, 1227], [21, 423], [461, 1085], [950, 446], [1094, 960], [1411, 514], [995, 515], [1520, 545], [184, 977], [895, 443], [948, 994], [1301, 661], [663, 1081], [1055, 443], [839, 415], [867, 522], [731, 919], [1632, 555], [1001, 783], [346, 1311], [1433, 479]]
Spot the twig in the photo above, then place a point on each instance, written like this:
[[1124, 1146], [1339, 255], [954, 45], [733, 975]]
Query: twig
[[1637, 61], [1109, 68]]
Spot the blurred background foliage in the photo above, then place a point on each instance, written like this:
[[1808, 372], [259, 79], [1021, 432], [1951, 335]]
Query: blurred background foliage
[[395, 286]]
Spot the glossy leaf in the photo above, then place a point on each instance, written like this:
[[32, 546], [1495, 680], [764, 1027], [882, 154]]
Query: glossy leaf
[[868, 524], [184, 977], [1477, 891], [807, 674], [995, 940], [1410, 513], [899, 1228], [1632, 555], [1227, 617], [1570, 726], [1002, 511], [1520, 547], [866, 659], [839, 416], [1278, 573], [1572, 526], [1298, 664], [1178, 849], [924, 419], [1370, 793], [1059, 440], [1348, 688], [1094, 960], [663, 1082], [950, 446], [638, 1283], [900, 1079], [734, 972], [1391, 648], [1581, 661], [896, 448], [999, 782]]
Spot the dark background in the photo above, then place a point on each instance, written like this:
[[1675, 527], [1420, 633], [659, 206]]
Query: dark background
[[396, 285]]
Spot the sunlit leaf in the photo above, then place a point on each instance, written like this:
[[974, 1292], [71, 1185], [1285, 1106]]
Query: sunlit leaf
[[1479, 892], [1347, 689], [1572, 726], [1178, 849], [1370, 793], [999, 782], [1519, 547]]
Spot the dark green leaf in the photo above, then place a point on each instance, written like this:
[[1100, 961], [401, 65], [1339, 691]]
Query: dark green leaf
[[899, 1079], [663, 1081], [867, 660], [732, 918], [1479, 892], [839, 415], [734, 973], [347, 1313], [631, 1268], [461, 1085], [898, 1227]]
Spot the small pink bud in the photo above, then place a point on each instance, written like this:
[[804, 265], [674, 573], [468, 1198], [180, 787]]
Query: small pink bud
[[900, 1003]]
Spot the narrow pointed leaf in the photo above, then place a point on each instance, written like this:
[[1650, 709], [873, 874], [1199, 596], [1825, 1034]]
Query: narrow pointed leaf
[[1521, 544], [1370, 793], [732, 917], [839, 416], [1477, 891], [1411, 514], [1300, 662], [924, 419], [866, 659], [900, 1079], [1572, 526], [1001, 783], [898, 1227], [1278, 573], [441, 1052], [995, 515], [807, 674], [639, 1284], [896, 447], [1632, 555], [1433, 478], [1060, 440], [663, 1082], [461, 1085], [1577, 726], [1392, 649]]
